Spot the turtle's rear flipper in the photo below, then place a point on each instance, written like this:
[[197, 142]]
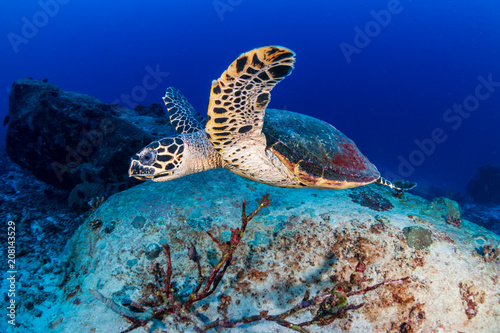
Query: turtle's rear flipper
[[400, 186]]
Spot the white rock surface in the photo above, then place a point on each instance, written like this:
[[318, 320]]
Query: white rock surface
[[305, 240]]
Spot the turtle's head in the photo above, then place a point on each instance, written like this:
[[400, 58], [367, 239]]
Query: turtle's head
[[160, 161]]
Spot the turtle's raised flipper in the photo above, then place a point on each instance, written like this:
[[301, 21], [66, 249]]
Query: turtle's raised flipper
[[238, 99], [400, 186], [181, 112]]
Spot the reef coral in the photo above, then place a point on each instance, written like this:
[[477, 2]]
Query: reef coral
[[417, 237], [471, 298], [454, 221], [95, 202], [488, 252]]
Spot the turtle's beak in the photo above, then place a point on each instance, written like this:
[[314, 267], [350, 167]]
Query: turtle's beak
[[139, 171]]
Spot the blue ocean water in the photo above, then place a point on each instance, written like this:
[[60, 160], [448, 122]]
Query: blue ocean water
[[416, 84]]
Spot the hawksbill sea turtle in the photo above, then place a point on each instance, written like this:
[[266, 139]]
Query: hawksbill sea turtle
[[274, 147]]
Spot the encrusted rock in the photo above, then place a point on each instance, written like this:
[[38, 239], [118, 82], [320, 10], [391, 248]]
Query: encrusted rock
[[368, 198], [109, 227], [81, 194], [153, 251], [138, 222], [446, 207], [283, 253], [65, 138], [417, 237], [485, 186]]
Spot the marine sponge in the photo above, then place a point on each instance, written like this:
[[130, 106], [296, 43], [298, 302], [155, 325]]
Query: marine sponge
[[417, 237]]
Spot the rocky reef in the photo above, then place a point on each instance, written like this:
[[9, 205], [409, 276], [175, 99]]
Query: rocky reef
[[184, 256], [484, 188], [439, 274], [76, 142]]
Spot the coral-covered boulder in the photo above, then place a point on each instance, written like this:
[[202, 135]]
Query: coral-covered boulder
[[305, 240], [485, 186], [66, 138]]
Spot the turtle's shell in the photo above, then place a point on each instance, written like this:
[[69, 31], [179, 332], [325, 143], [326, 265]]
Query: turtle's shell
[[320, 155]]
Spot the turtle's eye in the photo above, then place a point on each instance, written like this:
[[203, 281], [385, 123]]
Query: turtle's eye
[[148, 157]]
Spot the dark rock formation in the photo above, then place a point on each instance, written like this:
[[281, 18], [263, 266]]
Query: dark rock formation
[[154, 110], [485, 186], [367, 198], [41, 214], [66, 139]]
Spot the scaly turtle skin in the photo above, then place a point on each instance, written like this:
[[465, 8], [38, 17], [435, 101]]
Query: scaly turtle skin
[[180, 112], [274, 147]]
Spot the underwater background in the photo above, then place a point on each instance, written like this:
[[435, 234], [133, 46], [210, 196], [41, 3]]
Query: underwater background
[[385, 87], [414, 83], [388, 74]]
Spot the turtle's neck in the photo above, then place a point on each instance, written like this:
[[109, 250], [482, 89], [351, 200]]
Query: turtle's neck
[[200, 153]]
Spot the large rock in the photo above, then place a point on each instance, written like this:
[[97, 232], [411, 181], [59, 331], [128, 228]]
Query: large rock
[[66, 139], [306, 239], [484, 188]]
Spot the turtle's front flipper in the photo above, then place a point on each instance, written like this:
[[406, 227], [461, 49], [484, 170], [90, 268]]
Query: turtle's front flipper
[[399, 186], [181, 112], [238, 99]]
